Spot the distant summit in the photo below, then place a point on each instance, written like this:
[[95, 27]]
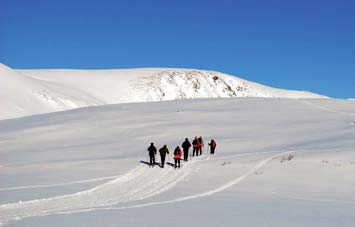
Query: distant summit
[[27, 92]]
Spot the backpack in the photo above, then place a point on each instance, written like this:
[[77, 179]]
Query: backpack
[[176, 152]]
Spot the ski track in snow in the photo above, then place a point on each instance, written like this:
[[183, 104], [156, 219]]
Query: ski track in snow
[[129, 187], [138, 184], [196, 196], [116, 176], [58, 184]]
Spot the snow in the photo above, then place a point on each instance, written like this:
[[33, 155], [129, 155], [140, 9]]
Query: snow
[[29, 92], [85, 167]]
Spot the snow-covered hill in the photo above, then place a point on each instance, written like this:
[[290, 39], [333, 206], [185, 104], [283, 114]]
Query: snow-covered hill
[[27, 92], [279, 162]]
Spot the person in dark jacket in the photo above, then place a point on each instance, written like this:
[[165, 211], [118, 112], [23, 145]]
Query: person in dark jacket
[[200, 141], [186, 146], [163, 152], [152, 150], [177, 157], [213, 145]]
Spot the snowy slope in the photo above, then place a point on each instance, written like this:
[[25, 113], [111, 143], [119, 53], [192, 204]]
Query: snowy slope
[[158, 84], [86, 167], [27, 92], [21, 95]]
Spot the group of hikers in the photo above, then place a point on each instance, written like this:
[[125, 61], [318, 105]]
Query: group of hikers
[[197, 145]]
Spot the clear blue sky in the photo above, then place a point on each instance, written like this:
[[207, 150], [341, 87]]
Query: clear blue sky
[[303, 44]]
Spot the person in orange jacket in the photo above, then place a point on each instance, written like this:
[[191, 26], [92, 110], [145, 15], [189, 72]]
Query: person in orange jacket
[[177, 156], [195, 146]]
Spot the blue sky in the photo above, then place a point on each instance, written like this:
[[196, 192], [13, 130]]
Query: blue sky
[[303, 44]]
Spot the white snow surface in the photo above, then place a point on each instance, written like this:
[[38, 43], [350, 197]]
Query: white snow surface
[[28, 92], [279, 162]]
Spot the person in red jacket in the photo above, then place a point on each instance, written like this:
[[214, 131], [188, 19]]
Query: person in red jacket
[[177, 156], [213, 145], [195, 146]]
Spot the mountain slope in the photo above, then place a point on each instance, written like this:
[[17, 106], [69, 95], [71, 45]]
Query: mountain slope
[[21, 95], [27, 92], [88, 166]]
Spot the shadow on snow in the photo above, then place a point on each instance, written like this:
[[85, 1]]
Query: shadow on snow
[[157, 163]]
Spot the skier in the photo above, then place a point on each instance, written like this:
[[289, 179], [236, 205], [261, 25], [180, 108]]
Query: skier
[[163, 151], [213, 145], [152, 152], [177, 157], [186, 146], [195, 146], [201, 144]]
